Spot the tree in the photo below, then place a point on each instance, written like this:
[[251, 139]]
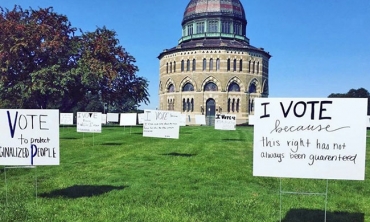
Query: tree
[[108, 70], [44, 65], [354, 93], [35, 47]]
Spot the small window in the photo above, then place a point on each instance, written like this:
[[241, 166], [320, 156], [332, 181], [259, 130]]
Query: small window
[[228, 64], [182, 65], [194, 65], [240, 65], [210, 87], [190, 29], [217, 64], [167, 68], [252, 88], [234, 87], [211, 64], [200, 27], [234, 65], [188, 65], [204, 64], [171, 88], [174, 66], [188, 87]]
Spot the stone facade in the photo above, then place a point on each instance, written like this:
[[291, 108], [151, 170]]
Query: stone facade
[[205, 75]]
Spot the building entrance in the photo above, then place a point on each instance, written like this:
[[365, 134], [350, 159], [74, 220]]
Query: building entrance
[[210, 112]]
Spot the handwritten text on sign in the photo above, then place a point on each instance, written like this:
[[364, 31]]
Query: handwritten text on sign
[[29, 137], [310, 138], [66, 119], [89, 122], [162, 124], [225, 122]]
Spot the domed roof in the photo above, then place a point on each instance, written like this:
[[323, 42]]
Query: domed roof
[[200, 8]]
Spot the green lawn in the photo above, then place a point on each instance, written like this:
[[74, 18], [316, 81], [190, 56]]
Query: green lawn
[[206, 175]]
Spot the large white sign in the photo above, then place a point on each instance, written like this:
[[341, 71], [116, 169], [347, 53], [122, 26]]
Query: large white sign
[[66, 119], [89, 122], [128, 119], [29, 137], [310, 138], [225, 122], [251, 120], [113, 117], [162, 124], [200, 119]]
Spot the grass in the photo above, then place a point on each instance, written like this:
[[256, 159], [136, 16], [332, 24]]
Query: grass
[[206, 175]]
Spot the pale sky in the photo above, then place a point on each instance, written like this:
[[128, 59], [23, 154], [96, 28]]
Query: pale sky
[[318, 47]]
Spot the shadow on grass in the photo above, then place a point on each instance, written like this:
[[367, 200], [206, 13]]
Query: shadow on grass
[[233, 140], [179, 154], [69, 138], [307, 215], [78, 191], [112, 144]]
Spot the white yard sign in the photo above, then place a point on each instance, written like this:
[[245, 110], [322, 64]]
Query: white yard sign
[[140, 117], [200, 119], [29, 137], [310, 138], [112, 117], [103, 118], [225, 122], [66, 119], [128, 119], [89, 122], [162, 124], [182, 119]]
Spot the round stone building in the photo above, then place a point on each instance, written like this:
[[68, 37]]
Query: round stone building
[[213, 69]]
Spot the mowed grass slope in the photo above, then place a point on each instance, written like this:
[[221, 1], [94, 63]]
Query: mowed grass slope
[[206, 175]]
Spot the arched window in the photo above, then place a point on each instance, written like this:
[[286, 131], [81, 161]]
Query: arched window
[[237, 105], [192, 105], [217, 64], [171, 67], [183, 105], [240, 65], [228, 64], [182, 65], [188, 87], [211, 64], [188, 65], [166, 67], [233, 106], [210, 86], [234, 65], [204, 64], [258, 67], [249, 66], [171, 88], [254, 66], [228, 105], [174, 66], [252, 88], [187, 105], [194, 65], [234, 87]]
